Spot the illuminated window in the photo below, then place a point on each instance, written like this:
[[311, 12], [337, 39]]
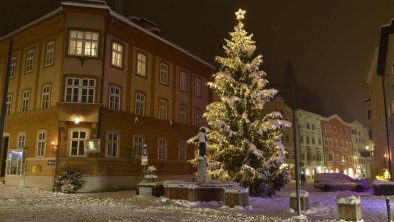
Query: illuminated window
[[49, 53], [138, 143], [8, 108], [112, 144], [13, 67], [139, 104], [117, 55], [77, 142], [45, 96], [29, 61], [21, 140], [114, 98], [163, 109], [80, 90], [141, 64], [25, 101], [41, 143], [162, 149], [83, 43], [163, 73]]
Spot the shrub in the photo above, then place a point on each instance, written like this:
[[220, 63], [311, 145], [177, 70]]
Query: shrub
[[70, 181]]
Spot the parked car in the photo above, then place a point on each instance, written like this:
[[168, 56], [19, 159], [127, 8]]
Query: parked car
[[338, 181]]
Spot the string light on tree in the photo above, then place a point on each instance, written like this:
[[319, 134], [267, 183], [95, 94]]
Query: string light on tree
[[244, 145]]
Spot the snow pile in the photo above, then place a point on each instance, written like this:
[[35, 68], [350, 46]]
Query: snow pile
[[302, 193], [352, 200], [382, 182]]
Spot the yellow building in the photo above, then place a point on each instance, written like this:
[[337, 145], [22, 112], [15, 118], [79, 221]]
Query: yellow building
[[125, 85]]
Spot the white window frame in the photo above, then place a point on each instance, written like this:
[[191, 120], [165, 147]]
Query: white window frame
[[197, 117], [138, 143], [114, 97], [142, 61], [163, 76], [183, 81], [80, 149], [50, 53], [8, 108], [162, 148], [140, 101], [197, 86], [29, 61], [21, 140], [41, 143], [80, 90], [25, 101], [117, 55], [13, 67], [182, 114], [83, 43], [112, 144], [46, 96], [163, 109], [182, 150]]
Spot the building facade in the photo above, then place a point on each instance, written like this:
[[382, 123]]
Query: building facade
[[361, 150], [380, 80], [337, 145], [310, 143], [87, 89]]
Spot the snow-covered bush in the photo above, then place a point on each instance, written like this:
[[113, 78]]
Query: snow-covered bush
[[70, 181], [151, 174]]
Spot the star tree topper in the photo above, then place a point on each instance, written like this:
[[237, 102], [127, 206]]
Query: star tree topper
[[240, 14]]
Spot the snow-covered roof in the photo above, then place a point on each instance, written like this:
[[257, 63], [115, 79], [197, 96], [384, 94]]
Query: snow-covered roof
[[112, 13]]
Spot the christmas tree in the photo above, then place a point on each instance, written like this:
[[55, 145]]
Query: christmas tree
[[243, 144]]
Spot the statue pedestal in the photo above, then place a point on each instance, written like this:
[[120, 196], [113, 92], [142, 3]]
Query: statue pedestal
[[201, 170]]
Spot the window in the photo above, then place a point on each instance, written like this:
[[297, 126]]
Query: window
[[21, 140], [163, 109], [197, 87], [45, 96], [307, 126], [50, 53], [343, 159], [313, 126], [182, 114], [369, 114], [112, 144], [117, 55], [139, 104], [183, 81], [8, 108], [141, 64], [302, 139], [114, 98], [83, 43], [313, 140], [307, 139], [163, 73], [77, 142], [25, 101], [80, 90], [330, 157], [162, 149], [29, 61], [41, 143], [181, 150], [370, 134], [197, 117], [138, 142], [13, 67]]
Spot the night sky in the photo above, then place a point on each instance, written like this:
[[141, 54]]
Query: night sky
[[328, 43]]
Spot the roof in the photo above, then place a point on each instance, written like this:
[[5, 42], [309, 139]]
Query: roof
[[94, 4]]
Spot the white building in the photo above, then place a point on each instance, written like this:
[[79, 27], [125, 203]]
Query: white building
[[361, 150]]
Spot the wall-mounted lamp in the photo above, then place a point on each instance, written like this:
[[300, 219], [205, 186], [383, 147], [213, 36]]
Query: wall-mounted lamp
[[76, 119], [54, 147]]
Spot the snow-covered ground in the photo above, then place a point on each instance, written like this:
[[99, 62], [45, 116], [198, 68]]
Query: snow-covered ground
[[31, 204]]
